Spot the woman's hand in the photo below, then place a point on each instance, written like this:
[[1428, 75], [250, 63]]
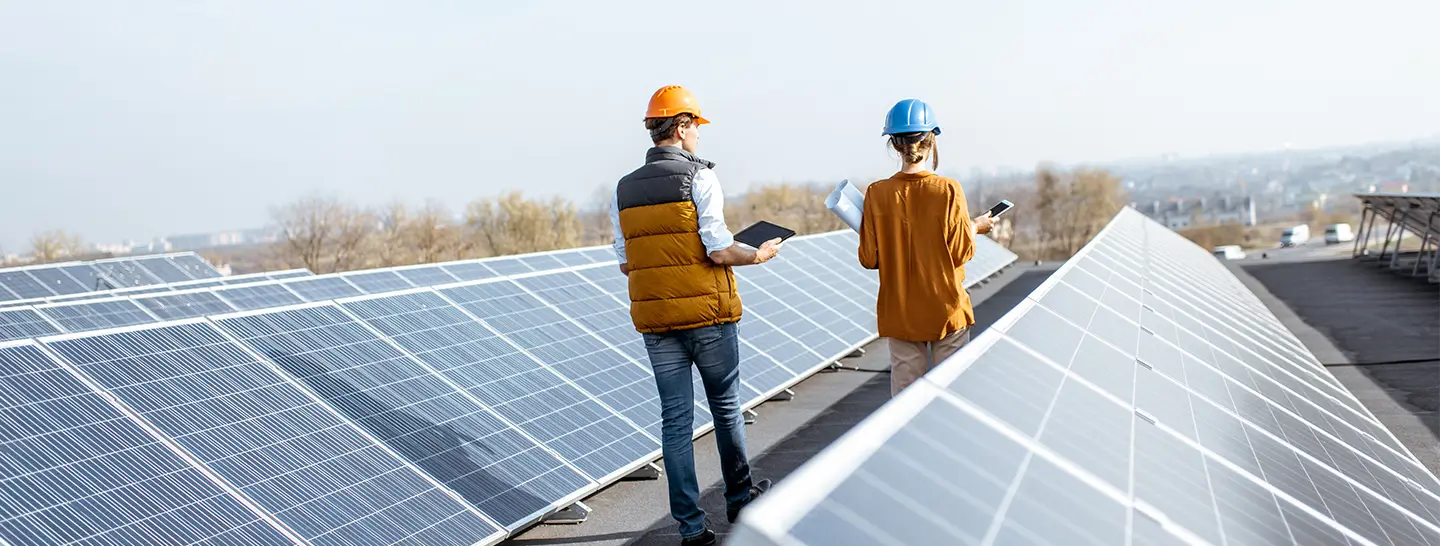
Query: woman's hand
[[982, 224]]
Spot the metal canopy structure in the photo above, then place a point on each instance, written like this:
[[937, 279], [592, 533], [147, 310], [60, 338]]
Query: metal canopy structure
[[454, 414], [59, 279], [1141, 395], [1398, 214]]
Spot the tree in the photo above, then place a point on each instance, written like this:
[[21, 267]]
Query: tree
[[432, 235], [390, 244], [800, 207], [512, 224], [49, 246], [1074, 207], [323, 234]]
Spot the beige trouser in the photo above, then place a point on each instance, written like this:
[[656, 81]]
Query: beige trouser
[[909, 360]]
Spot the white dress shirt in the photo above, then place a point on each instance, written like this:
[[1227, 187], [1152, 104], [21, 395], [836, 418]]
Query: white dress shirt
[[709, 203]]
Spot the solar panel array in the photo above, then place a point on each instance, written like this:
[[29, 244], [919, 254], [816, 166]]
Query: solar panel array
[[150, 289], [1141, 395], [44, 281], [454, 414]]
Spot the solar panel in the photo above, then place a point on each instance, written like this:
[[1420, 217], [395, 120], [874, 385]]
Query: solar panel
[[469, 271], [295, 457], [195, 267], [24, 323], [419, 414], [1137, 430], [542, 262], [57, 281], [95, 315], [78, 471], [23, 286], [769, 296], [427, 276], [598, 255], [609, 320], [292, 274], [127, 292], [567, 348], [258, 296], [322, 288], [375, 282], [163, 269], [856, 297], [529, 394], [87, 275], [7, 295], [508, 266], [124, 273], [184, 305]]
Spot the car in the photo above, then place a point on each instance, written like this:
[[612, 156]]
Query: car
[[1338, 233], [1229, 252]]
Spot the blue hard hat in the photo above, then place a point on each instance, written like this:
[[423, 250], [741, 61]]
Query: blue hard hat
[[910, 116]]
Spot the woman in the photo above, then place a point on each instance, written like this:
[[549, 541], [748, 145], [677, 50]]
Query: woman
[[917, 231]]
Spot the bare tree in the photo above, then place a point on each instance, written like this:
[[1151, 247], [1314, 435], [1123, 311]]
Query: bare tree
[[432, 234], [390, 245], [323, 234], [49, 246], [1073, 208]]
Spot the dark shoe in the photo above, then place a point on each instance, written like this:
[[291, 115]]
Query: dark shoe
[[732, 512], [706, 538]]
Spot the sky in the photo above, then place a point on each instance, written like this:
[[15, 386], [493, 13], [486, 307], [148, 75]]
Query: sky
[[140, 119]]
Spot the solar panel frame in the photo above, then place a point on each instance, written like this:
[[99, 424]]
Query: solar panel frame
[[58, 281], [195, 267], [322, 287], [426, 275], [250, 475], [25, 322], [163, 269], [125, 273], [184, 304], [127, 438], [377, 280], [258, 296]]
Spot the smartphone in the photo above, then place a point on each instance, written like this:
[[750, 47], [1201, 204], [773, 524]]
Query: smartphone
[[762, 231], [1000, 208]]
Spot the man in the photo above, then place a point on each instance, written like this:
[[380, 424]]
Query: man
[[672, 243]]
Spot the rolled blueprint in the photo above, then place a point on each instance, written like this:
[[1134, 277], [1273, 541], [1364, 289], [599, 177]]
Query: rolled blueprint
[[846, 202]]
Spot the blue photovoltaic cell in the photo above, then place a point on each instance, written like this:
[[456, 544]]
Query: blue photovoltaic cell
[[289, 274], [57, 281], [324, 288], [565, 347], [427, 276], [6, 294], [767, 294], [508, 266], [821, 303], [125, 274], [183, 306], [195, 266], [164, 269], [544, 262], [470, 271], [192, 285], [610, 320], [23, 285], [378, 281], [428, 421], [573, 258], [528, 394], [258, 296], [78, 471], [87, 276], [97, 315], [22, 324], [597, 255], [317, 474], [829, 270]]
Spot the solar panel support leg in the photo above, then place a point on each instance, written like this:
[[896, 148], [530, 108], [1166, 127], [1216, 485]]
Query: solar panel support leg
[[857, 353], [750, 416], [650, 471], [570, 515], [783, 396]]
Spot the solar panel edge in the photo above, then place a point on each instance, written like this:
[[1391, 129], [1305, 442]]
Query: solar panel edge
[[321, 402], [150, 430]]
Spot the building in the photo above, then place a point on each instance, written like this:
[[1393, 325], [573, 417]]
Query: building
[[1181, 213]]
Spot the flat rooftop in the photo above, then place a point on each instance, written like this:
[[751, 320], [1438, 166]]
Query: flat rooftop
[[1345, 312]]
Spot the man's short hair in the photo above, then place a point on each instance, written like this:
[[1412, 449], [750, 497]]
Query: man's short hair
[[662, 129]]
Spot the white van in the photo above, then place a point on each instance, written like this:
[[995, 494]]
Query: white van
[[1229, 252], [1338, 233], [1295, 235]]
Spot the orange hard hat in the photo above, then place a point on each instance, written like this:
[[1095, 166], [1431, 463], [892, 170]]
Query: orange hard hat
[[673, 100]]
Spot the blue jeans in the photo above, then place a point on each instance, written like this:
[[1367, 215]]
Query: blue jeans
[[715, 351]]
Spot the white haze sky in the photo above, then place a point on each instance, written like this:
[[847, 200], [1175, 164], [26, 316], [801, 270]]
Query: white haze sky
[[143, 118]]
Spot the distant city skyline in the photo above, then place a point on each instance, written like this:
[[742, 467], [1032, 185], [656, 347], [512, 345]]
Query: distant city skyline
[[130, 121]]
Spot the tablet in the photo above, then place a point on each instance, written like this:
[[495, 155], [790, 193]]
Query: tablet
[[762, 231]]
